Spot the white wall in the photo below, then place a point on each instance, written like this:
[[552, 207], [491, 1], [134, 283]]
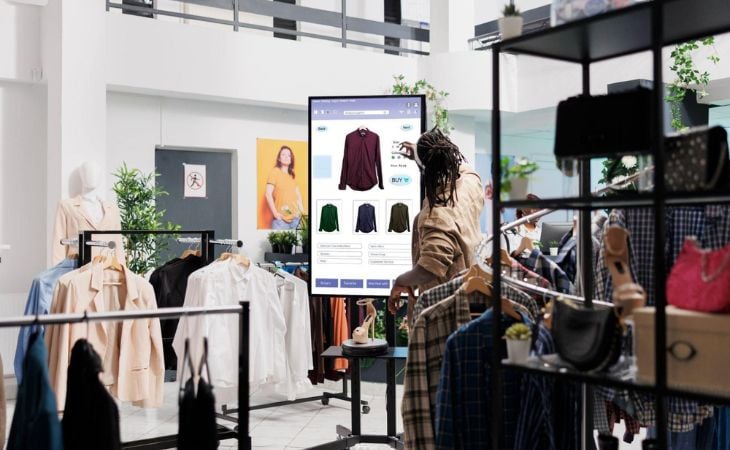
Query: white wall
[[20, 48], [138, 123], [23, 214], [175, 59]]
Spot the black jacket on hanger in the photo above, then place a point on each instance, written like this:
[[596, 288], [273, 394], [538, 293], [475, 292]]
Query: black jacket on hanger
[[170, 283], [90, 417]]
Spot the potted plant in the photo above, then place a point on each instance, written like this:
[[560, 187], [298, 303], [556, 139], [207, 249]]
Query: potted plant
[[275, 240], [288, 240], [554, 247], [515, 177], [511, 24], [518, 343]]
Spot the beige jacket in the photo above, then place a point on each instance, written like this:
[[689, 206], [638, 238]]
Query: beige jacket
[[72, 218], [445, 237], [139, 373]]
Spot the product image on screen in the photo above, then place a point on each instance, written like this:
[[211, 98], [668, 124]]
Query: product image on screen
[[364, 195]]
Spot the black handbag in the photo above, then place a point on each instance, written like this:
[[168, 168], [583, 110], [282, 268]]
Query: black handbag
[[697, 160], [587, 338], [605, 125]]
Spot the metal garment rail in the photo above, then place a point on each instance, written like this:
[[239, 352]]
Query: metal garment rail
[[161, 442], [206, 238]]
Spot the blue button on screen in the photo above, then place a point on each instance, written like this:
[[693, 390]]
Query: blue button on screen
[[351, 284], [378, 284], [326, 282]]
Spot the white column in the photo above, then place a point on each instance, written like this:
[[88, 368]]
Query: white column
[[464, 135], [452, 25], [73, 54]]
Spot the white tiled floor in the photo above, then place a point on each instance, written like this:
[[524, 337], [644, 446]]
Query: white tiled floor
[[295, 426]]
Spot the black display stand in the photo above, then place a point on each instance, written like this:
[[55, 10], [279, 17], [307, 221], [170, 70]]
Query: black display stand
[[286, 257], [349, 437], [648, 26]]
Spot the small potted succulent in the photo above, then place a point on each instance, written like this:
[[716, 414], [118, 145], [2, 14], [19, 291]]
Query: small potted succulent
[[518, 338], [510, 25], [515, 177], [554, 247]]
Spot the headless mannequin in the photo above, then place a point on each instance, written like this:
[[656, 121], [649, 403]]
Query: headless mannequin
[[87, 211], [90, 173]]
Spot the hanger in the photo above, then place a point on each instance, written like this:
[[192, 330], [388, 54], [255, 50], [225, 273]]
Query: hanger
[[236, 257], [190, 252], [111, 262]]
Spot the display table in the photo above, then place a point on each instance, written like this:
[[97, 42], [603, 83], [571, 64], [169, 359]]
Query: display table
[[353, 436]]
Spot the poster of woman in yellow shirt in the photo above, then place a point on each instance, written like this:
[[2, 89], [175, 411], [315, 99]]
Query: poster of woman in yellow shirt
[[282, 203]]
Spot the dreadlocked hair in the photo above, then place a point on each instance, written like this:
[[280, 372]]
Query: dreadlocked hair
[[441, 159]]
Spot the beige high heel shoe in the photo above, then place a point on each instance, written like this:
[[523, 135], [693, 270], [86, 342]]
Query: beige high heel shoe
[[627, 294], [361, 334]]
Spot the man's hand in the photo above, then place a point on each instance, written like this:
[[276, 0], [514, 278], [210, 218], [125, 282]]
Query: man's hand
[[408, 149], [395, 301], [278, 216]]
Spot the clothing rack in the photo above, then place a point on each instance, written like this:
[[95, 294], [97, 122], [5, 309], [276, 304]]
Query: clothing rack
[[75, 241], [170, 441], [645, 26], [208, 242], [324, 398]]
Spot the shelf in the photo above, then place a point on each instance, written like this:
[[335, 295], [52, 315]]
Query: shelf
[[393, 353], [286, 257], [624, 201], [604, 379], [623, 31]]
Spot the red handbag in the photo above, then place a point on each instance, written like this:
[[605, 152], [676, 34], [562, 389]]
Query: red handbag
[[700, 279]]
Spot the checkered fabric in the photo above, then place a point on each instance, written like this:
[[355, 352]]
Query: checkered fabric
[[550, 270], [442, 291], [711, 226], [426, 345], [463, 407]]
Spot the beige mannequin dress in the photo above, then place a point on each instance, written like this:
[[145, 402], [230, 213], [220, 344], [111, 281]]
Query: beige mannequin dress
[[72, 218]]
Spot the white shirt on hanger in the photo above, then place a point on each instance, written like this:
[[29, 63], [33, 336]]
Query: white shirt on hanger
[[227, 283], [295, 304]]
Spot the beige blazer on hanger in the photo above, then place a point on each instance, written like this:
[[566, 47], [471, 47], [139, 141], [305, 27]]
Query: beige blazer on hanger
[[140, 370], [72, 218]]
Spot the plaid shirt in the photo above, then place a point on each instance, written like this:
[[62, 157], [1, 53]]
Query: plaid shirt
[[463, 409], [442, 291], [426, 345], [711, 226], [549, 270]]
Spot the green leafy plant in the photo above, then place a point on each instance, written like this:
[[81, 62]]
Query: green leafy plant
[[510, 10], [688, 76], [519, 332], [289, 237], [274, 238], [537, 244], [436, 98], [522, 168], [615, 170], [554, 244], [137, 195]]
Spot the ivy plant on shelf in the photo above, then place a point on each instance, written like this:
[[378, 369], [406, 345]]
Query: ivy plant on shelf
[[434, 97], [137, 195], [688, 77]]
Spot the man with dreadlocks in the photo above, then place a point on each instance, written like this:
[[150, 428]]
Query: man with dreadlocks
[[446, 231]]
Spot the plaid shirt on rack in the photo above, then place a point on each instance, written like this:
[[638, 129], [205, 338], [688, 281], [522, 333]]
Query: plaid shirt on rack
[[711, 226], [442, 291], [549, 270], [463, 408], [426, 345]]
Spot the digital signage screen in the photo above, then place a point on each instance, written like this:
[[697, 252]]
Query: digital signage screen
[[363, 195]]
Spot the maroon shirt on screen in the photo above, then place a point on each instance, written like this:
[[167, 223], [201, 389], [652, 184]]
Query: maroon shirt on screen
[[361, 161]]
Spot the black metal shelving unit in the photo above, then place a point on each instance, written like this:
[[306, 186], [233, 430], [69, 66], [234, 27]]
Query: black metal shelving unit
[[649, 26]]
